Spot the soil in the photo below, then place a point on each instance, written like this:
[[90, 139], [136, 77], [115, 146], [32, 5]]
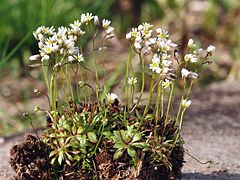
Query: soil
[[211, 133]]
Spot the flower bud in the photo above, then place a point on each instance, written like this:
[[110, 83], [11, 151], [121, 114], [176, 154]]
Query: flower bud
[[186, 103], [34, 57], [190, 43]]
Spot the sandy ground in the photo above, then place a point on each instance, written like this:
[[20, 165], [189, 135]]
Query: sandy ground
[[211, 132]]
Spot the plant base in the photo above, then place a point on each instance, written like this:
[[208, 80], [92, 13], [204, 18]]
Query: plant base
[[30, 160]]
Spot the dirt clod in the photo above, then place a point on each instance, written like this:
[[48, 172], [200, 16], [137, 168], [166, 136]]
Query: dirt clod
[[29, 159]]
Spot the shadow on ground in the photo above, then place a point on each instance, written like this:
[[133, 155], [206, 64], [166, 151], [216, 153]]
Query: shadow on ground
[[199, 176]]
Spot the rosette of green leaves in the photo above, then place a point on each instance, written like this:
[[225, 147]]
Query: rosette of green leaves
[[128, 140], [74, 139]]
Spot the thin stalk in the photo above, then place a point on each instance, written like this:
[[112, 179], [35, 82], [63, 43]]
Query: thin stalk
[[68, 82], [52, 92], [169, 103], [104, 71], [143, 76], [157, 107], [45, 70], [63, 85], [55, 92], [180, 106], [180, 125], [95, 62], [148, 101], [181, 119], [190, 88], [132, 93], [162, 101], [126, 86], [150, 96]]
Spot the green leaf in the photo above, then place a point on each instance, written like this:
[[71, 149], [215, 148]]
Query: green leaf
[[53, 153], [92, 137], [68, 162], [132, 152], [108, 134], [137, 137], [119, 145], [69, 156], [116, 137], [53, 160], [60, 157], [118, 154]]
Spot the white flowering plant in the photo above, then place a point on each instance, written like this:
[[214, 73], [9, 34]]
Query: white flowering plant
[[95, 131]]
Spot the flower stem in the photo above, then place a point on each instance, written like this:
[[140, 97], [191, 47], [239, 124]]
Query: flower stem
[[157, 107], [180, 105], [180, 126], [148, 101], [169, 103], [126, 85], [162, 101], [150, 96], [143, 76]]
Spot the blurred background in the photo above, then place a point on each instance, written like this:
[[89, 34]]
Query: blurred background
[[206, 21]]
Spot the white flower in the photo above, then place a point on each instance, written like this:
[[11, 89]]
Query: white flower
[[150, 42], [75, 24], [193, 75], [110, 30], [110, 98], [40, 45], [48, 49], [162, 34], [129, 35], [41, 37], [163, 45], [167, 63], [199, 51], [186, 103], [96, 20], [57, 65], [69, 43], [190, 43], [156, 59], [34, 57], [78, 58], [170, 43], [185, 73], [135, 33], [62, 31], [71, 58], [147, 25], [138, 45], [140, 27], [145, 30], [73, 50], [132, 80], [105, 23], [86, 18], [210, 49], [45, 58], [155, 65], [166, 83], [166, 70], [190, 57]]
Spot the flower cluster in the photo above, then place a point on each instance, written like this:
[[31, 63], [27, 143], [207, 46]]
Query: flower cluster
[[160, 47], [194, 56], [63, 43], [157, 44]]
